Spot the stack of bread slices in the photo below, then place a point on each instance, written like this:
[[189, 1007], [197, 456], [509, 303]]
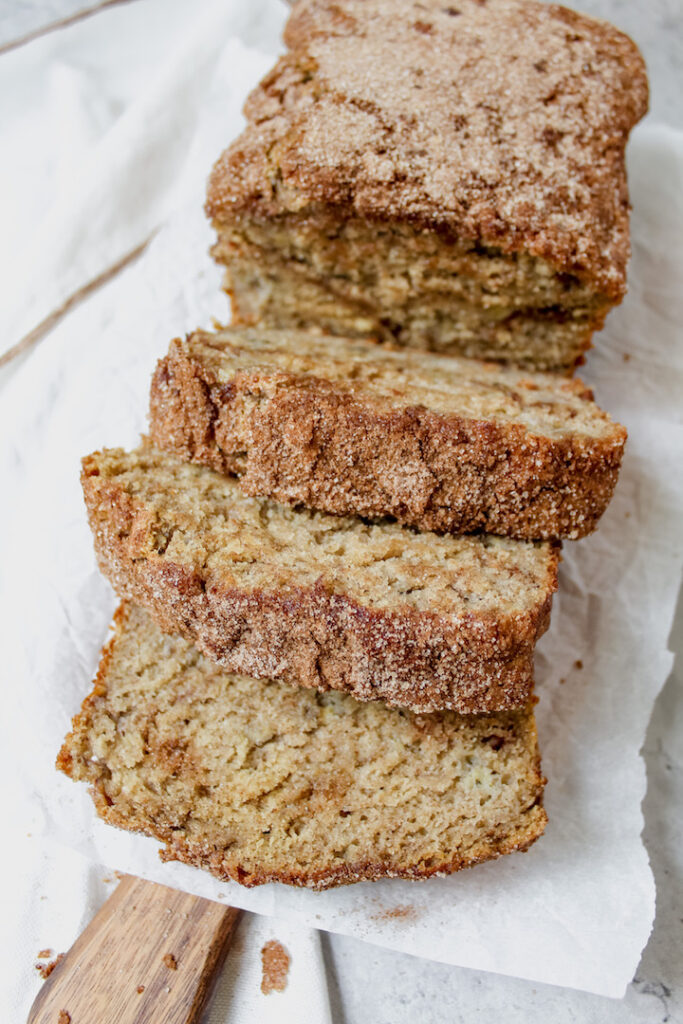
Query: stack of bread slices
[[338, 546]]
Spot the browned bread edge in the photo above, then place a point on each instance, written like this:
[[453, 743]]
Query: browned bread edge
[[305, 440], [274, 165], [513, 839], [308, 636]]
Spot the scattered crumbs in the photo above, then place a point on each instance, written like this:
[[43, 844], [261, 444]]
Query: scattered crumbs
[[275, 961], [405, 912], [626, 357], [45, 970], [43, 954], [562, 681], [140, 989], [578, 663], [64, 1017], [170, 961]]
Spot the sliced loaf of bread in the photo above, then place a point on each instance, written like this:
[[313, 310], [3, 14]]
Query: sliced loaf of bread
[[259, 782], [349, 427], [418, 620]]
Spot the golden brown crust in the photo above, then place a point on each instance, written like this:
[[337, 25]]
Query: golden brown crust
[[157, 740], [312, 636], [516, 840], [303, 440], [503, 122]]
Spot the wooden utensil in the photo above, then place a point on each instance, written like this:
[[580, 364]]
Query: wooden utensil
[[149, 956]]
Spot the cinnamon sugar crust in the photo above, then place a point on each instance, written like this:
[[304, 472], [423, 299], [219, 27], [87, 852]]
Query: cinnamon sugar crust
[[348, 427], [256, 782], [373, 609], [503, 121], [497, 127]]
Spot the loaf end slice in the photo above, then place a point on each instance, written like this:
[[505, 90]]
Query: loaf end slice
[[349, 427], [371, 608], [438, 176], [256, 782]]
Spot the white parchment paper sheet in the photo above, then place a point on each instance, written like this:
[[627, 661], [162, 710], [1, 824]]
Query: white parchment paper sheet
[[577, 909]]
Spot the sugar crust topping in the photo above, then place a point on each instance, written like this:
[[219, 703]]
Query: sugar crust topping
[[502, 120]]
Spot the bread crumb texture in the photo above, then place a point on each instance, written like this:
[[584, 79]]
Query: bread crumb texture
[[373, 608], [258, 782], [347, 426]]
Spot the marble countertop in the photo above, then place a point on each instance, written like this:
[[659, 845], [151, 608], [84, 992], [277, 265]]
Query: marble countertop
[[367, 983]]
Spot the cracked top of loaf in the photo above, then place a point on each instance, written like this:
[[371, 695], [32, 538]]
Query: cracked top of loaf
[[503, 121]]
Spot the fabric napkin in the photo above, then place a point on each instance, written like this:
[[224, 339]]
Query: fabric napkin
[[103, 150]]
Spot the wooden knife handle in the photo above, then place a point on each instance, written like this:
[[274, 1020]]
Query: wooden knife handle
[[149, 956]]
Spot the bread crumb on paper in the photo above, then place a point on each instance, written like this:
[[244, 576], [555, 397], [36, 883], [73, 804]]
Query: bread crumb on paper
[[404, 912], [45, 970], [275, 960]]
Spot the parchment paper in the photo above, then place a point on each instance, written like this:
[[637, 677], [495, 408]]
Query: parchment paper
[[577, 909]]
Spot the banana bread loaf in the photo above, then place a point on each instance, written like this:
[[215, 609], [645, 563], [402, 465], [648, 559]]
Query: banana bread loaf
[[442, 175], [415, 619], [345, 426], [258, 782]]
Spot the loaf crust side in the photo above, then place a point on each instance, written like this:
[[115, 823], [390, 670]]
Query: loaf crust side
[[310, 636], [305, 440]]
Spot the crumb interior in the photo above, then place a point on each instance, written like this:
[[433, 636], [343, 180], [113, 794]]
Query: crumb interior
[[277, 778], [412, 287], [545, 404], [196, 517]]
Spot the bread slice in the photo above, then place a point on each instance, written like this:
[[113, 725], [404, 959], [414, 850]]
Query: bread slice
[[346, 426], [258, 782], [418, 620], [442, 176]]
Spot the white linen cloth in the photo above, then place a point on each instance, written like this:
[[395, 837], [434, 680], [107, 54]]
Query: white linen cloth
[[577, 909]]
